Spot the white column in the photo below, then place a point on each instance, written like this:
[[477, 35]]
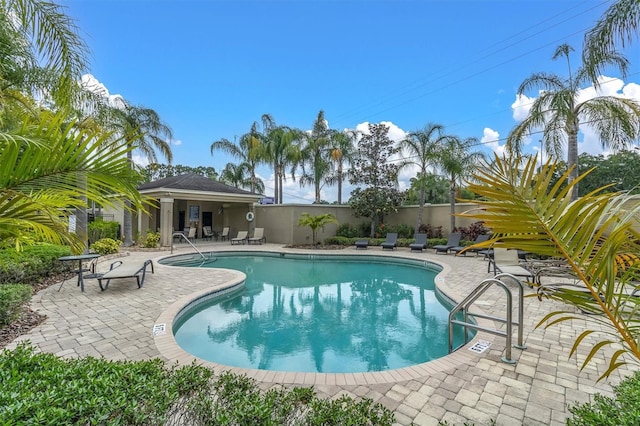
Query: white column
[[166, 221]]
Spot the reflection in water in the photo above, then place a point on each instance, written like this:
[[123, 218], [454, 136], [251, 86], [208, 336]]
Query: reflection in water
[[320, 316]]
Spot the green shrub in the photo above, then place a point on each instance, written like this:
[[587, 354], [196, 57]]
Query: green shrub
[[106, 246], [99, 229], [44, 389], [151, 239], [32, 264], [13, 297], [431, 231], [621, 410], [348, 231]]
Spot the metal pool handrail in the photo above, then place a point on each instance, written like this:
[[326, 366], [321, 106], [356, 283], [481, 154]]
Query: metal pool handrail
[[180, 234], [473, 296]]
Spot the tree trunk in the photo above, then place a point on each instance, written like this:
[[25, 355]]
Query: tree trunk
[[420, 208], [340, 184], [452, 202], [275, 189], [127, 221], [572, 156]]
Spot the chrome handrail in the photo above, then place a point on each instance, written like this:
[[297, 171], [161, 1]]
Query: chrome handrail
[[180, 234], [473, 296]]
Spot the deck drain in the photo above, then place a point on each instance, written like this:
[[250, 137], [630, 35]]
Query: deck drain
[[159, 329]]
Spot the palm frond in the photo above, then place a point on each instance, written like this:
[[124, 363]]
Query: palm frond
[[594, 234]]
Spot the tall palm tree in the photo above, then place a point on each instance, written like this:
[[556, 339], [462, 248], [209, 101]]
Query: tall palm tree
[[141, 130], [316, 164], [342, 151], [559, 111], [40, 50], [248, 150], [41, 163], [422, 148], [619, 24], [457, 162], [238, 175], [282, 150]]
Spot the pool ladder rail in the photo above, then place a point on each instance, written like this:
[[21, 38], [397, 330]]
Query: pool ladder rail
[[181, 235], [468, 324]]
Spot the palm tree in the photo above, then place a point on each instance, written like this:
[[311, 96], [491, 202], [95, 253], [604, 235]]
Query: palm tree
[[316, 164], [343, 150], [40, 166], [618, 24], [248, 150], [457, 161], [559, 112], [593, 234], [316, 222], [422, 148], [238, 175], [37, 32], [282, 150], [142, 130]]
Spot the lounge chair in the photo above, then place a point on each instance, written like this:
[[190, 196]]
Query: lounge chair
[[207, 233], [391, 242], [240, 238], [362, 244], [479, 239], [453, 241], [507, 261], [420, 243], [192, 233], [126, 269], [258, 236], [225, 234]]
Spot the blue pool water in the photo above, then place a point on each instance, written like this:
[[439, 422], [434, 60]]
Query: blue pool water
[[326, 314]]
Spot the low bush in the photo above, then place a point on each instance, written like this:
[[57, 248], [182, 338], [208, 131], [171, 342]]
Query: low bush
[[106, 246], [151, 239], [44, 389], [621, 410], [32, 264], [13, 297], [471, 232], [431, 231], [99, 229]]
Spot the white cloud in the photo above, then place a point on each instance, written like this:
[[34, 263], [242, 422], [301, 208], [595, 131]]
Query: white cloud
[[176, 142], [491, 139], [521, 107], [89, 82]]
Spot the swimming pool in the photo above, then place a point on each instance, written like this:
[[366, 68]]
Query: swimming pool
[[318, 313]]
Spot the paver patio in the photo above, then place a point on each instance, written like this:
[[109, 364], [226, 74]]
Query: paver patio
[[462, 387]]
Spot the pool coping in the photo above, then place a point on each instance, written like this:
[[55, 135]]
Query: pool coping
[[168, 347]]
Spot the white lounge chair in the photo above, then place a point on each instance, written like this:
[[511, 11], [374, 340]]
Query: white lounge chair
[[240, 238], [225, 234], [258, 236], [126, 269], [507, 261]]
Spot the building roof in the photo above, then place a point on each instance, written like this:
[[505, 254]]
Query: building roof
[[196, 187]]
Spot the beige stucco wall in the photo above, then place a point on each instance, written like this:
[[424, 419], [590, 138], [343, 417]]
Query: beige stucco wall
[[280, 222]]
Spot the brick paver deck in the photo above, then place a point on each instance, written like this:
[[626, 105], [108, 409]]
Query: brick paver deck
[[462, 387]]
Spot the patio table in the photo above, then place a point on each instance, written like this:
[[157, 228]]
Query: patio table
[[79, 258]]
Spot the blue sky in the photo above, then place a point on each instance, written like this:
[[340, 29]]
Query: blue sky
[[212, 68]]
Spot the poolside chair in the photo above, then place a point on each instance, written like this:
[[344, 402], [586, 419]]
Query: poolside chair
[[420, 243], [453, 241], [192, 233], [225, 234], [126, 269], [258, 236], [479, 239], [391, 242], [240, 238], [507, 261], [207, 233], [362, 244]]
